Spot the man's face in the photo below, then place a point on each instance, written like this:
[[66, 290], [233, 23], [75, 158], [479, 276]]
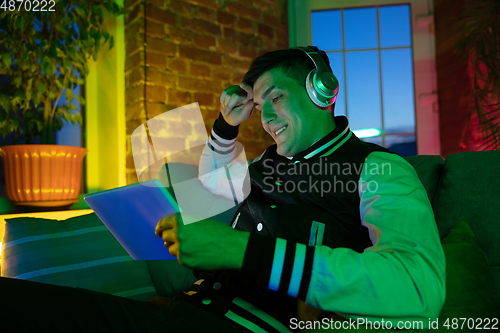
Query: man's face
[[287, 113]]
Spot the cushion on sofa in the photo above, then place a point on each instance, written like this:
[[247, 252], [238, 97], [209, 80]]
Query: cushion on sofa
[[77, 252], [470, 290], [470, 192], [429, 169]]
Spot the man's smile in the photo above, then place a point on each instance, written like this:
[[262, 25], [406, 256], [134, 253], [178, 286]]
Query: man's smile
[[280, 130]]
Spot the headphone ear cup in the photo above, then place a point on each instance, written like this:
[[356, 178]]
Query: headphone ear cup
[[310, 87], [312, 90]]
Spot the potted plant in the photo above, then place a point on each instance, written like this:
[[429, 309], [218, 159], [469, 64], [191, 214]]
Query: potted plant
[[480, 47], [42, 49]]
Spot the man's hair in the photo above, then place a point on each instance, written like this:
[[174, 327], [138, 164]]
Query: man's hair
[[293, 62]]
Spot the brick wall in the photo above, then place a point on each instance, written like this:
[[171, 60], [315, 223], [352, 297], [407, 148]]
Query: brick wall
[[195, 49]]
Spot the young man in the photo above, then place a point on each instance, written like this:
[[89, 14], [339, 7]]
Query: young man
[[332, 222], [356, 238]]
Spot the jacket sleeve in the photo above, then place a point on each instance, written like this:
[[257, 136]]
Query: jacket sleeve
[[223, 166], [401, 277]]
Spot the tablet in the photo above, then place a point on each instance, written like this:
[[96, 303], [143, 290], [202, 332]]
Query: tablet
[[132, 212]]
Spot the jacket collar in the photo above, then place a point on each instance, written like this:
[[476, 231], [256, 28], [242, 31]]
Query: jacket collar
[[329, 143]]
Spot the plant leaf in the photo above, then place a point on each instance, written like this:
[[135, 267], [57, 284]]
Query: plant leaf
[[59, 84], [80, 99], [20, 22], [17, 81], [79, 118], [5, 102], [60, 53], [80, 12], [45, 66], [36, 98], [41, 87], [52, 69], [58, 124], [69, 95], [7, 60]]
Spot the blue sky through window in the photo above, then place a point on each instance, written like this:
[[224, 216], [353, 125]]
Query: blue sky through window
[[363, 90], [395, 26], [327, 30], [397, 88], [360, 28], [362, 36]]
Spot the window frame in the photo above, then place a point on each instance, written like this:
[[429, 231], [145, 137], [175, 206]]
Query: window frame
[[423, 53]]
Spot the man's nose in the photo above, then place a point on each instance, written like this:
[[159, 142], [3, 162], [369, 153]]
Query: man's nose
[[268, 115]]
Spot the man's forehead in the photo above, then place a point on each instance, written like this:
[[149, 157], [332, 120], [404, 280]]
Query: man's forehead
[[273, 78]]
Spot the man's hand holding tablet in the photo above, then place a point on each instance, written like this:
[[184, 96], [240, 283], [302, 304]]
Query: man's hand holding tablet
[[207, 244]]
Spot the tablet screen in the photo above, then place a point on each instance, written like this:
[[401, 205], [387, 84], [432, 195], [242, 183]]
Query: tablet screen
[[132, 212]]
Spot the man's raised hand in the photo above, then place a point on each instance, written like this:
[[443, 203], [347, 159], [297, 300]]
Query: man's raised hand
[[236, 104]]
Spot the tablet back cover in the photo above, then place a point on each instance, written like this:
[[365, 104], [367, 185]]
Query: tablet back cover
[[131, 213]]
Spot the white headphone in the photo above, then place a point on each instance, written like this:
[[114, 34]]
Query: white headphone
[[321, 85]]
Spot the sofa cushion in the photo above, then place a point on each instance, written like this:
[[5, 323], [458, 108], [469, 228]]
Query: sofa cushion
[[77, 252], [470, 290], [429, 169], [470, 192], [170, 278]]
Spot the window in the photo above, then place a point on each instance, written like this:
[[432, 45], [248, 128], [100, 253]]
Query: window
[[370, 49], [386, 73]]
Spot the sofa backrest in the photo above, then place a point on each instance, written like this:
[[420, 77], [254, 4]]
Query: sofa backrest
[[470, 191], [429, 169]]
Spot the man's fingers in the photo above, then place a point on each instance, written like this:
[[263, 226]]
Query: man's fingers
[[248, 89], [174, 249], [223, 96], [248, 109], [226, 100], [234, 101], [229, 92], [165, 223], [170, 236]]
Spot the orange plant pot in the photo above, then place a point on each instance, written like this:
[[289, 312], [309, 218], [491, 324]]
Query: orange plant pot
[[43, 175]]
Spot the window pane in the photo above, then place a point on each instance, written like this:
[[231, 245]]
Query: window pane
[[326, 27], [395, 28], [403, 145], [374, 139], [397, 88], [360, 26], [363, 90], [337, 64], [70, 134]]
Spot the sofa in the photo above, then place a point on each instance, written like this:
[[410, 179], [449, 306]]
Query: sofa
[[464, 191]]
